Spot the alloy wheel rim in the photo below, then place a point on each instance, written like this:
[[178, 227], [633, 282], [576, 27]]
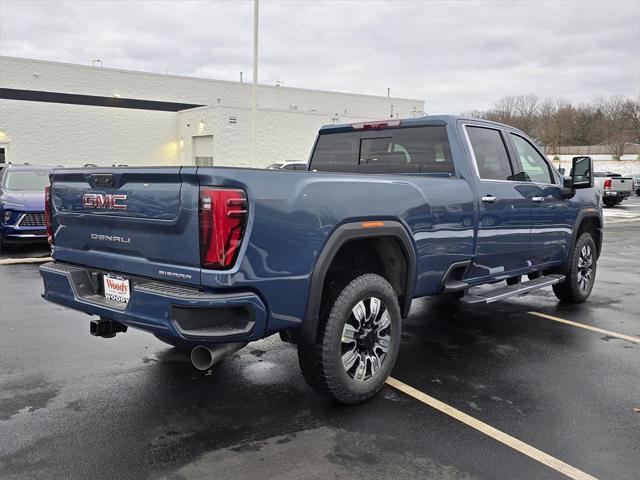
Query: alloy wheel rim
[[585, 268], [366, 338]]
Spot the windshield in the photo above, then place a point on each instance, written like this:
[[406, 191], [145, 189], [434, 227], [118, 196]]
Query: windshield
[[26, 180]]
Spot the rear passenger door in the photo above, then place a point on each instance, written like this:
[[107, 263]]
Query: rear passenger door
[[504, 209], [551, 214]]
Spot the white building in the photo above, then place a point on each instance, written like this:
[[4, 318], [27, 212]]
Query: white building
[[61, 114]]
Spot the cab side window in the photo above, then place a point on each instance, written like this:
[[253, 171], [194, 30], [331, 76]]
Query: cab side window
[[490, 153], [535, 167]]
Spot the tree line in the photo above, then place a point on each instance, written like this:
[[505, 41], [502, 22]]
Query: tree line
[[612, 121]]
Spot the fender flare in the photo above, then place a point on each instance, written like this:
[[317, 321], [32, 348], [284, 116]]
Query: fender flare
[[589, 212], [344, 233]]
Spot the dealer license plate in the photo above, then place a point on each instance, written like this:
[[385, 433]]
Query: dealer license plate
[[116, 288]]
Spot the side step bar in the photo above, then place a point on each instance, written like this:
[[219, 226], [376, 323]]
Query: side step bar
[[495, 295]]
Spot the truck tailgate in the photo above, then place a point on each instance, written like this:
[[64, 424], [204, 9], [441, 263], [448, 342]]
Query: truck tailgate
[[138, 221], [622, 184]]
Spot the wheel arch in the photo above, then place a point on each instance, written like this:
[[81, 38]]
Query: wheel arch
[[356, 232], [589, 220]]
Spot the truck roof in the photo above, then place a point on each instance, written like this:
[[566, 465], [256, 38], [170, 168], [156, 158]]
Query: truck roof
[[411, 122]]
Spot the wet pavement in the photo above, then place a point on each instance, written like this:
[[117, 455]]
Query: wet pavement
[[76, 406]]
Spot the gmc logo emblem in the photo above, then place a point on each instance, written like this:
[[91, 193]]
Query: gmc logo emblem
[[105, 202]]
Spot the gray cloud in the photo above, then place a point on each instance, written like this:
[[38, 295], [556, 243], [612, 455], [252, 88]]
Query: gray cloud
[[456, 55]]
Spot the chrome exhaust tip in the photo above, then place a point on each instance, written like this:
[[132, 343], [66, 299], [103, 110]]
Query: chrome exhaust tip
[[203, 358]]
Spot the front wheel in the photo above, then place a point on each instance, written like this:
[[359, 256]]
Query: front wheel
[[581, 272], [358, 339]]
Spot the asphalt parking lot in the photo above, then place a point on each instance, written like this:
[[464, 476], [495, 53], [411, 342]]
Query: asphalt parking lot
[[76, 406]]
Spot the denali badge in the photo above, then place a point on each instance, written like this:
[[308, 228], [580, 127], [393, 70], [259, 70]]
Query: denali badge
[[104, 201], [110, 238]]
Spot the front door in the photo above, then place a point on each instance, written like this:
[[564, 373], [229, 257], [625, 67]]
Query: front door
[[551, 214], [504, 210]]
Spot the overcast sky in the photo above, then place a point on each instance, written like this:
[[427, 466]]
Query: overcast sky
[[456, 55]]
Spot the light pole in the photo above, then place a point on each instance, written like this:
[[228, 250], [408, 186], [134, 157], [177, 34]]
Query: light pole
[[254, 107]]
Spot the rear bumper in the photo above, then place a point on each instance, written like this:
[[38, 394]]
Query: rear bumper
[[184, 313], [615, 193]]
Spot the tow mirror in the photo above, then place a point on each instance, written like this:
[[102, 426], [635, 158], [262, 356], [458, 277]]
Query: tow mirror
[[581, 172]]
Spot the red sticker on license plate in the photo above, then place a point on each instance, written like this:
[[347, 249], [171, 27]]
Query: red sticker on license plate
[[116, 288]]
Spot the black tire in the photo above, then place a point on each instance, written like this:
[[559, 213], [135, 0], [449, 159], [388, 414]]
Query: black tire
[[576, 288], [534, 275], [1, 242], [609, 203], [322, 363], [173, 342], [514, 280]]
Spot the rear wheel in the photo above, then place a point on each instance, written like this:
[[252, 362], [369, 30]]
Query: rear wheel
[[609, 202], [358, 339], [581, 272]]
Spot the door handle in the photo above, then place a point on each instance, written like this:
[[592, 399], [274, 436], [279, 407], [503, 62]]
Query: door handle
[[489, 199], [537, 199]]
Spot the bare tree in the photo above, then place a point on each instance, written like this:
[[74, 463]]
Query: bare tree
[[612, 121]]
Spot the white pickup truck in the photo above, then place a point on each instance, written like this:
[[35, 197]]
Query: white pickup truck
[[614, 187]]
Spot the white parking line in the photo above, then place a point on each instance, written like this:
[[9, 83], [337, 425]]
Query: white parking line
[[494, 433], [627, 220], [16, 261], [587, 327]]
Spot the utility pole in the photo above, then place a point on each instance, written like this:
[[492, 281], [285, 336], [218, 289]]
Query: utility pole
[[255, 82]]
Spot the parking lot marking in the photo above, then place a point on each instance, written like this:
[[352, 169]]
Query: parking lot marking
[[610, 222], [494, 433], [587, 327], [15, 261]]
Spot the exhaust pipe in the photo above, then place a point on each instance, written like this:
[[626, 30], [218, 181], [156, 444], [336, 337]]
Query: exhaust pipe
[[203, 358]]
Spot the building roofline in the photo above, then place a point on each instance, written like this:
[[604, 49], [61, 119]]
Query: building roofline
[[201, 79]]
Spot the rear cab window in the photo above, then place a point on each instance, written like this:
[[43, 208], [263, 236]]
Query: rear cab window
[[402, 150]]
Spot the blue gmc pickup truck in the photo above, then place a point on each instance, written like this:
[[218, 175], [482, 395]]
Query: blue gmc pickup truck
[[211, 258]]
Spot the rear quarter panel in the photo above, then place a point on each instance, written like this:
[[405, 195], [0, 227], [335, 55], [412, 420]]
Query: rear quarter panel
[[292, 214]]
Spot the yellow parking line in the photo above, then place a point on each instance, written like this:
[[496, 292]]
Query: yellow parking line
[[587, 327], [494, 433], [15, 261]]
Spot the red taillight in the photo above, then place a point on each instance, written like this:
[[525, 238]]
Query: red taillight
[[47, 213], [223, 215], [376, 125], [607, 183]]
